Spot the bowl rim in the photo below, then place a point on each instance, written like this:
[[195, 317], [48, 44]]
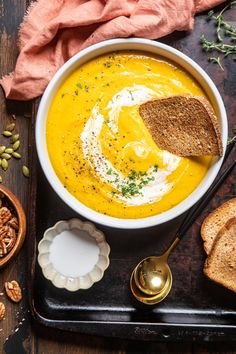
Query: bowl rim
[[22, 225], [97, 50]]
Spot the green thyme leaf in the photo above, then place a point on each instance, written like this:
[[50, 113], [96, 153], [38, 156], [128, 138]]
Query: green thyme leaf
[[79, 85]]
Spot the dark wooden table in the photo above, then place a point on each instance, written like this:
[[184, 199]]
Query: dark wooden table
[[18, 334]]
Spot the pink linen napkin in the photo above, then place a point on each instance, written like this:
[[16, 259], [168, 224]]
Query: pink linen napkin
[[55, 30]]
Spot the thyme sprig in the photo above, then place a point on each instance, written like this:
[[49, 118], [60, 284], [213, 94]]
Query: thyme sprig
[[225, 42], [232, 139], [217, 61]]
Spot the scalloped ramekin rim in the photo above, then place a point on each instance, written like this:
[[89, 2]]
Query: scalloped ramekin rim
[[80, 282]]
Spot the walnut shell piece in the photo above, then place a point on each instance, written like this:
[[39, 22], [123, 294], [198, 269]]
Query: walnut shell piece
[[13, 223], [5, 215], [2, 311], [13, 290], [7, 239]]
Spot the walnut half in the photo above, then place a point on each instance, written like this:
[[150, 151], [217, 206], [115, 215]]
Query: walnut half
[[13, 290]]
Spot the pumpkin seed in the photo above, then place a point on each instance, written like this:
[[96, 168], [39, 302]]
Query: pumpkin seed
[[25, 171], [7, 133], [0, 179], [16, 155], [9, 150], [16, 145], [4, 164], [6, 156], [14, 138], [10, 127], [2, 149]]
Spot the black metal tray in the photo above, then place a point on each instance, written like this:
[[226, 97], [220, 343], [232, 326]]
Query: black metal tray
[[195, 309]]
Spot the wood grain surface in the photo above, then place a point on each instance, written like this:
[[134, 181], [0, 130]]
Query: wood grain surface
[[18, 334]]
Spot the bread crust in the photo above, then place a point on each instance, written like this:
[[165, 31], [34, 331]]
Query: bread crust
[[214, 121]]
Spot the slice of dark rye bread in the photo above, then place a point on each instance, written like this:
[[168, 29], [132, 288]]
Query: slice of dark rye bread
[[220, 265], [183, 125], [215, 221]]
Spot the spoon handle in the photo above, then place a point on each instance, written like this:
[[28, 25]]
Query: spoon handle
[[195, 211], [172, 245]]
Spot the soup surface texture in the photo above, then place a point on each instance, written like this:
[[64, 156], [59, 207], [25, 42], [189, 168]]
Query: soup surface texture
[[99, 146]]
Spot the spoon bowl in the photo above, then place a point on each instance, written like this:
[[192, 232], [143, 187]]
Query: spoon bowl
[[150, 299], [152, 274]]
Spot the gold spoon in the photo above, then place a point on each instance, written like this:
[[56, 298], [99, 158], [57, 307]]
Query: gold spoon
[[151, 279], [153, 274]]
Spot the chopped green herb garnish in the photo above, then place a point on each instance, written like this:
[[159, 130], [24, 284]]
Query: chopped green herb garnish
[[130, 189], [144, 182], [136, 181], [155, 168], [142, 173], [131, 94], [108, 64], [79, 85], [133, 175], [86, 88]]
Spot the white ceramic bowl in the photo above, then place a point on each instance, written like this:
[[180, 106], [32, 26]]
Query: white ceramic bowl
[[128, 44]]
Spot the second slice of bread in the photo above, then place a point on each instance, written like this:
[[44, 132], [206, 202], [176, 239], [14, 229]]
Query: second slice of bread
[[220, 265], [183, 125], [215, 221]]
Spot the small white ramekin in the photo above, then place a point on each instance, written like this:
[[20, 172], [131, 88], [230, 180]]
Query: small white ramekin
[[73, 283], [82, 57]]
